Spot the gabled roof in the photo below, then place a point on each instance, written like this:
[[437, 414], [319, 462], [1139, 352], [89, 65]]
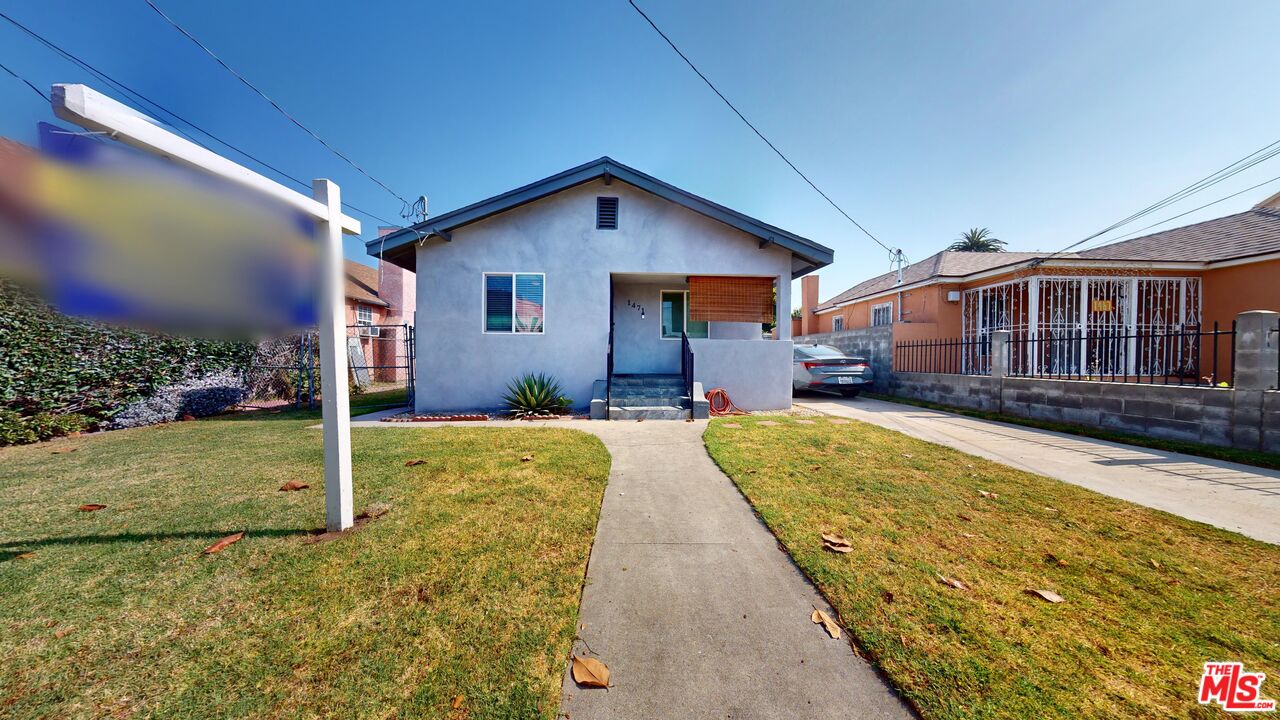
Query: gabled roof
[[1253, 232], [944, 265], [397, 247], [362, 284], [1249, 234]]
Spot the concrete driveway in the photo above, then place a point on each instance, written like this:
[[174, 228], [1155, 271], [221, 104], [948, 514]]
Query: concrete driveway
[[1228, 495]]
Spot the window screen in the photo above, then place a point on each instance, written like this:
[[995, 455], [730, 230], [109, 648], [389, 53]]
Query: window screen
[[513, 302]]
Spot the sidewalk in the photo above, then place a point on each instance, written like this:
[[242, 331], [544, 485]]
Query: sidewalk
[[696, 610], [1228, 495]]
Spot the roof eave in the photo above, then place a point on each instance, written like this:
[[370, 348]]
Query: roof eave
[[390, 246]]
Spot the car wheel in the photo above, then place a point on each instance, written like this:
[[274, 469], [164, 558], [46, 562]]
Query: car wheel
[[850, 393]]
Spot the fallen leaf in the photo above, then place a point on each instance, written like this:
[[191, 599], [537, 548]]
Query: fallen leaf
[[526, 458], [965, 518], [590, 672], [823, 619], [835, 543], [411, 463], [59, 451], [952, 582], [907, 455], [26, 555], [886, 596], [968, 535], [223, 544], [293, 485], [1047, 595], [90, 507], [63, 632], [1155, 564], [991, 495], [188, 418], [457, 701], [1054, 560]]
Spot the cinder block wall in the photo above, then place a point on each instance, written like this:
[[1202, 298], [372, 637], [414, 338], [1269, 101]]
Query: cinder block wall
[[873, 343], [1246, 419]]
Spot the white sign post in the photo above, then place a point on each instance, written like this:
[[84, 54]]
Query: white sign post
[[96, 112]]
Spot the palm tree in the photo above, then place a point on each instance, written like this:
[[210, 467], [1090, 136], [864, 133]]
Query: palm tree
[[977, 240]]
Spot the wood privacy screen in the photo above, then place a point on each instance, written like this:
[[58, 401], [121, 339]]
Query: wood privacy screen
[[731, 299]]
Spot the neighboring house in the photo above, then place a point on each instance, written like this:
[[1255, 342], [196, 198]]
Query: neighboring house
[[539, 279], [380, 301], [1152, 289]]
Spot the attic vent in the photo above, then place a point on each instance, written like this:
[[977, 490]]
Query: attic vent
[[606, 213]]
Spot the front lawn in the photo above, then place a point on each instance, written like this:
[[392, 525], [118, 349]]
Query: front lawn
[[1149, 597], [465, 593]]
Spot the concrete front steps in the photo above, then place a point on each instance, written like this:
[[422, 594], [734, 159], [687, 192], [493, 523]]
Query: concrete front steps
[[647, 397]]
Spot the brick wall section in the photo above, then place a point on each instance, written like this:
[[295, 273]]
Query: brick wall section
[[873, 343], [1246, 419]]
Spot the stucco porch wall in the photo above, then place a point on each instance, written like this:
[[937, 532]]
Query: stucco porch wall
[[755, 373], [1246, 419]]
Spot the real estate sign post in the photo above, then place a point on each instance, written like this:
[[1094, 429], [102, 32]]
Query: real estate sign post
[[98, 113]]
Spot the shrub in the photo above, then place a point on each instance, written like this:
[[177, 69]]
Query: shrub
[[52, 363], [17, 429], [202, 397], [539, 394]]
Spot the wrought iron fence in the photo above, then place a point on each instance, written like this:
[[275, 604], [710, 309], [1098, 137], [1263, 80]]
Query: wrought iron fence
[[967, 356], [1188, 356]]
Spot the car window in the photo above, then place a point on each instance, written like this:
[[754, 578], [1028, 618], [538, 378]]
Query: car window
[[822, 351]]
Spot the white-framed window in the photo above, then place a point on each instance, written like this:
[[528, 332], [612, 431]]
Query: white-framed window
[[675, 316], [364, 315], [837, 323], [882, 314], [514, 302]]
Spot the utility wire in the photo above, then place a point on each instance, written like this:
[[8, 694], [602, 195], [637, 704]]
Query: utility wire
[[1254, 158], [34, 89], [754, 129], [1208, 204], [273, 103], [143, 99]]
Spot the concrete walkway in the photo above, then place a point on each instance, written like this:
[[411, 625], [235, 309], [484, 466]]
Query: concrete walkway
[[1228, 495], [690, 601]]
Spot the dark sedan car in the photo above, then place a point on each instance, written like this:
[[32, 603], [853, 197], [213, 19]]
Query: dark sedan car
[[822, 367]]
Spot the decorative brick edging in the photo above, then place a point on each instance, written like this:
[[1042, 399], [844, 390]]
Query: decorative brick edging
[[435, 418]]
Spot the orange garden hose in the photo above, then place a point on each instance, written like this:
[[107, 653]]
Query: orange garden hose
[[721, 404]]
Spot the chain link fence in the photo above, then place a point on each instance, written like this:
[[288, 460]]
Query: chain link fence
[[286, 370]]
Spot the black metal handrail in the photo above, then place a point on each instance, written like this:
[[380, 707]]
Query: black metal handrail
[[686, 366], [608, 376]]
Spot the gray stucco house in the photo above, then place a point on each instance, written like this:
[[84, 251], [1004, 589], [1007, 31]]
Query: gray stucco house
[[539, 279]]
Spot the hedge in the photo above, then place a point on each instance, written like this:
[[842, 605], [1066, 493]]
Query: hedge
[[52, 364]]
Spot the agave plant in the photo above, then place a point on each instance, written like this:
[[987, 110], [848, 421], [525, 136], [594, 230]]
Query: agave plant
[[538, 394]]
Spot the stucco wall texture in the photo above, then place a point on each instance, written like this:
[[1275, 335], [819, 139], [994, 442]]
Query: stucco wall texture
[[462, 367]]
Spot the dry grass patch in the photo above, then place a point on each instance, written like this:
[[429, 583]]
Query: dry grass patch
[[468, 587], [1149, 597]]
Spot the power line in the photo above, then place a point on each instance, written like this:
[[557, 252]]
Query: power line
[[143, 99], [1208, 204], [1254, 158], [273, 103], [34, 89], [756, 130]]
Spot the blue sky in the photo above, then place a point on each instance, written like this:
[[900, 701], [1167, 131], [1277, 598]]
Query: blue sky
[[1044, 122]]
